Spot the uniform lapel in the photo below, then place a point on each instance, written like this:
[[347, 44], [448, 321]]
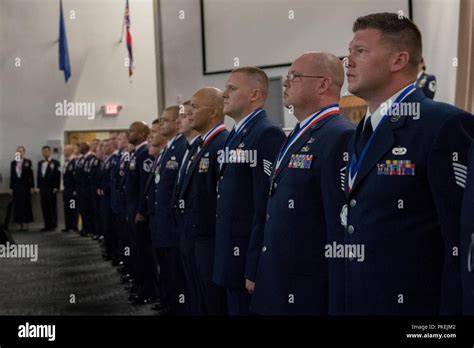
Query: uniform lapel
[[383, 140], [299, 144], [239, 139]]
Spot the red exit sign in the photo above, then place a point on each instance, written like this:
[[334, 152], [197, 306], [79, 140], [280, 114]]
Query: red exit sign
[[112, 109]]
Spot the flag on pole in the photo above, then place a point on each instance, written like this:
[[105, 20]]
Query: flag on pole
[[64, 63], [129, 40]]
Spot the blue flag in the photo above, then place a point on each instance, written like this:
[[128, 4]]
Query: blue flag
[[64, 63]]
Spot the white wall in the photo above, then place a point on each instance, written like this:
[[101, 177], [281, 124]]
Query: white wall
[[29, 30], [2, 62], [438, 21], [182, 48], [182, 54]]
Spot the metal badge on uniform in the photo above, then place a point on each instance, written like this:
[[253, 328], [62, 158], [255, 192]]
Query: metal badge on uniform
[[311, 140], [300, 161], [305, 149], [432, 86], [157, 178], [396, 168], [204, 165], [395, 118], [206, 154], [132, 164], [172, 164], [147, 165], [244, 131], [343, 215], [241, 145], [399, 151]]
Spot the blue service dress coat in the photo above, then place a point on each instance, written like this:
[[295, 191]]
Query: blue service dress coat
[[242, 192], [164, 233], [197, 214], [302, 218], [467, 236], [404, 208]]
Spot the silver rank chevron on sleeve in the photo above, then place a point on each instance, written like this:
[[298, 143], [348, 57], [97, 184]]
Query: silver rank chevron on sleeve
[[267, 167], [343, 177], [460, 174]]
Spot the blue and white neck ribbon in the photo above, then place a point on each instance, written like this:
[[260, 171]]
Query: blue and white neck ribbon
[[356, 163]]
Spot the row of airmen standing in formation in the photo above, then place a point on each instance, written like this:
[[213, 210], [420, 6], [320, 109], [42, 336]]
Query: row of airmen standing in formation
[[328, 220]]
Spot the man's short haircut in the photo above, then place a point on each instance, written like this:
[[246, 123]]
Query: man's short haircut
[[46, 147], [399, 32], [156, 121], [21, 147], [173, 110], [258, 74]]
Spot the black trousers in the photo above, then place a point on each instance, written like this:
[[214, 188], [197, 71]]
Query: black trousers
[[212, 297], [147, 281], [70, 210], [238, 302], [172, 284], [49, 208]]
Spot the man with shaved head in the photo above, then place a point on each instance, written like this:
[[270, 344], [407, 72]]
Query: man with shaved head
[[70, 190], [305, 193], [244, 180], [196, 204], [136, 175], [164, 236]]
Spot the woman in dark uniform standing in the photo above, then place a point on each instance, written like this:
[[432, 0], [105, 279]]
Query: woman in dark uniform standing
[[21, 186]]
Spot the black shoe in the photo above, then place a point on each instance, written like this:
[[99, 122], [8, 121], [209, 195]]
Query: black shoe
[[65, 230], [45, 229], [131, 287], [166, 311], [157, 306], [139, 300]]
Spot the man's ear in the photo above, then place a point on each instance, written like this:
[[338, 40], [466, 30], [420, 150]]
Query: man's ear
[[324, 85], [256, 94], [399, 60]]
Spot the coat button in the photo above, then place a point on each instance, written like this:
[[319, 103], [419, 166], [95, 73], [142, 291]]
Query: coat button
[[264, 248], [353, 203], [221, 177], [350, 229], [275, 186], [268, 217], [217, 216], [218, 196]]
